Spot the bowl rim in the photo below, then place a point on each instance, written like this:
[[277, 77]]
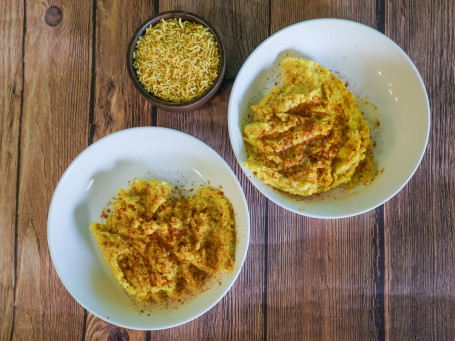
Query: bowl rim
[[172, 106], [279, 33], [121, 134]]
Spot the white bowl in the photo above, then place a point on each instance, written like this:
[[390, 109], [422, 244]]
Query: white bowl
[[378, 71], [93, 179]]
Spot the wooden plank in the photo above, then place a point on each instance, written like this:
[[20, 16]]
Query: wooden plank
[[420, 220], [290, 12], [117, 104], [323, 276], [240, 315], [321, 283], [97, 329], [11, 43], [53, 132]]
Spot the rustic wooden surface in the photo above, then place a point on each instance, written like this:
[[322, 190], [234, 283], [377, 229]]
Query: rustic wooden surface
[[386, 274]]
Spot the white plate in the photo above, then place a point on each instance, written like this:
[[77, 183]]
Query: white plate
[[93, 179], [378, 71]]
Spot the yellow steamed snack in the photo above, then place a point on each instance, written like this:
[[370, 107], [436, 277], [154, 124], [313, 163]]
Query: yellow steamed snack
[[308, 136], [158, 247]]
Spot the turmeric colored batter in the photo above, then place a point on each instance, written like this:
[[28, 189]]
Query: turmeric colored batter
[[160, 247], [308, 136]]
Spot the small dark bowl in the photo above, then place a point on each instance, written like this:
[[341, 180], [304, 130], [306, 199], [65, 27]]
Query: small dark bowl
[[172, 106]]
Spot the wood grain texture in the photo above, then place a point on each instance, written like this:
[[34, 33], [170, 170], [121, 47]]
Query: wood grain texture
[[117, 104], [323, 275], [420, 220], [97, 329], [11, 44], [320, 283], [54, 131], [289, 12]]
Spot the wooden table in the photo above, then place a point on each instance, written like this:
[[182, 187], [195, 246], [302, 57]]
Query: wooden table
[[386, 274]]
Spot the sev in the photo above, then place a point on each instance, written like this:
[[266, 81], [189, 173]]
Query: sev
[[177, 60]]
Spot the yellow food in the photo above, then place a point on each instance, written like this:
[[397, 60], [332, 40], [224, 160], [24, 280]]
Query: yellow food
[[308, 136], [160, 247], [177, 60]]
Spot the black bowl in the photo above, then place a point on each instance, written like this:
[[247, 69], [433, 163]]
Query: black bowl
[[172, 106]]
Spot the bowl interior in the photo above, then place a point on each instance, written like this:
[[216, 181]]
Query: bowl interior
[[93, 179], [170, 106], [388, 88]]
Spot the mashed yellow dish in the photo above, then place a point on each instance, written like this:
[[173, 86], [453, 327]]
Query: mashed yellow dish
[[308, 136], [160, 247]]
